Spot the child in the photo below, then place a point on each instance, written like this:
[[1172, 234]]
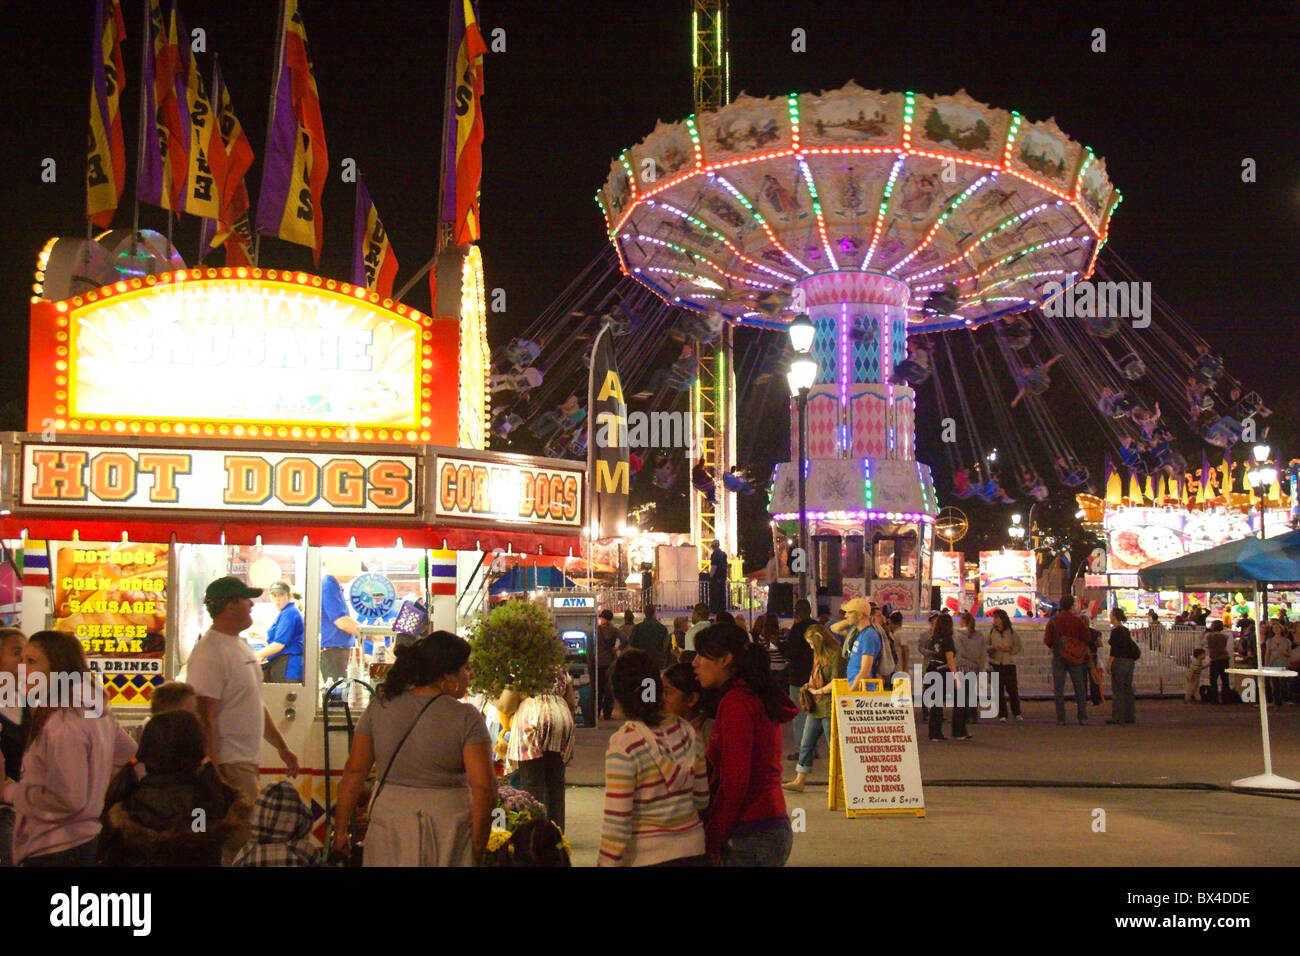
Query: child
[[684, 698], [281, 830], [173, 695], [1194, 675], [153, 802]]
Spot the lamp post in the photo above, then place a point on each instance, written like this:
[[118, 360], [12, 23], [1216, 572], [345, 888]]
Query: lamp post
[[802, 375], [1017, 530], [1261, 478]]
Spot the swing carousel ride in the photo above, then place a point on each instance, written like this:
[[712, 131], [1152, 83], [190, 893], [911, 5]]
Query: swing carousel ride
[[929, 239]]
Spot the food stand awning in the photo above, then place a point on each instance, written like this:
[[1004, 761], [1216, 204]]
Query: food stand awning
[[1235, 564]]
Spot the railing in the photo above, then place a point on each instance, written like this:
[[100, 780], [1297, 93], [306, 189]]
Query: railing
[[743, 598]]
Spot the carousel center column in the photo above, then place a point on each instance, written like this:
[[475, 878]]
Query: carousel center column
[[863, 480]]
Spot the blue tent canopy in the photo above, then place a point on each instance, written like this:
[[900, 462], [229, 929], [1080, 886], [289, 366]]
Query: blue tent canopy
[[520, 579], [1274, 561]]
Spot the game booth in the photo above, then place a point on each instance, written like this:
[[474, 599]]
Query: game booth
[[278, 427]]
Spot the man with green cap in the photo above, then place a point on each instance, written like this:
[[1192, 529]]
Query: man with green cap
[[227, 677]]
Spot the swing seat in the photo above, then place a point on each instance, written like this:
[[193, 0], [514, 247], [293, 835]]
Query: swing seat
[[1129, 456], [578, 447], [1132, 367], [1223, 433], [508, 424], [1249, 404], [1019, 335], [1037, 382], [681, 378], [1208, 369], [547, 423], [522, 352], [1076, 478], [909, 372], [1103, 326]]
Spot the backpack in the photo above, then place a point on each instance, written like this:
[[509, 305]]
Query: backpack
[[1072, 650], [886, 664]]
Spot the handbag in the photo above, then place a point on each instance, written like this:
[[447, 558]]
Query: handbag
[[807, 699], [359, 849]]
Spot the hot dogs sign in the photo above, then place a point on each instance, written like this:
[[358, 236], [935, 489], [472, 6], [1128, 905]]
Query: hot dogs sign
[[173, 479]]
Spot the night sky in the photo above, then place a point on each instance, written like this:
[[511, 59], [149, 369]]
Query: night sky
[[1182, 95]]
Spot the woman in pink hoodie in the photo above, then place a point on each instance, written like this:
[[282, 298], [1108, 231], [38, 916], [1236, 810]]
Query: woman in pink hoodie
[[74, 746]]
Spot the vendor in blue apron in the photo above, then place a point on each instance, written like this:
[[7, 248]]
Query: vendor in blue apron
[[282, 655]]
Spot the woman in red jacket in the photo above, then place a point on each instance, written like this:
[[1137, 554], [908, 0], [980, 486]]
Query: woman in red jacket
[[747, 823]]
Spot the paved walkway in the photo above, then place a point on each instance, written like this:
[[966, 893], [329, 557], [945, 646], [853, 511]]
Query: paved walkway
[[1028, 794]]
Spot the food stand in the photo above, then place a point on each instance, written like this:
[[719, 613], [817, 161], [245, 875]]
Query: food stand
[[273, 426]]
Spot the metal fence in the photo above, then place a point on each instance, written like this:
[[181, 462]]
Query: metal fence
[[743, 598]]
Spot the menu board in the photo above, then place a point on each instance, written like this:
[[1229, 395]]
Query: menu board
[[879, 766], [113, 598]]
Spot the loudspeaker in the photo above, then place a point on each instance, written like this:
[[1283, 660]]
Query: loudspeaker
[[780, 599]]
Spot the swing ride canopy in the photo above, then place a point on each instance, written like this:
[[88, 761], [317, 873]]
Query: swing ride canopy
[[725, 211]]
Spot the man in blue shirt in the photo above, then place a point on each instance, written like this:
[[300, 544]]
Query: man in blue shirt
[[338, 630], [862, 645], [284, 639]]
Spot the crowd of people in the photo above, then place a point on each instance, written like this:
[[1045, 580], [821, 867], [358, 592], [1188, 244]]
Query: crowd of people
[[693, 772]]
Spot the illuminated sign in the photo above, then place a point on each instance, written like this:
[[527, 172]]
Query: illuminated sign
[[172, 479], [582, 603], [243, 354], [502, 490], [113, 598], [1007, 571], [947, 570]]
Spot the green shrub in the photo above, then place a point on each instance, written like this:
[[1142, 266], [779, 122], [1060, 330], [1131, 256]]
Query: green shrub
[[515, 645]]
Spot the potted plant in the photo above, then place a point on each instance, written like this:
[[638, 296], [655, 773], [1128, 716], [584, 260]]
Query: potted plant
[[514, 653]]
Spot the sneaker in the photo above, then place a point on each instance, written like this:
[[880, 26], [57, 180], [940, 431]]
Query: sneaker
[[794, 787], [1002, 720], [1019, 718], [939, 738], [964, 737]]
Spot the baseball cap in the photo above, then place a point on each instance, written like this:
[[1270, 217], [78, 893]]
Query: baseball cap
[[224, 589], [861, 605]]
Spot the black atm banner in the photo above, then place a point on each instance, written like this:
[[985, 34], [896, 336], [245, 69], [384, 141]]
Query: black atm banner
[[607, 440]]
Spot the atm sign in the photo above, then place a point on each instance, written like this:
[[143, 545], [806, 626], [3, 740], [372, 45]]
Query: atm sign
[[582, 603]]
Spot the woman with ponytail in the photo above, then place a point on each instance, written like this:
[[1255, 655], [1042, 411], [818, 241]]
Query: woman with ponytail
[[747, 823]]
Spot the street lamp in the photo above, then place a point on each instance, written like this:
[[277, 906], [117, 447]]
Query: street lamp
[[1017, 530], [1261, 478], [802, 375]]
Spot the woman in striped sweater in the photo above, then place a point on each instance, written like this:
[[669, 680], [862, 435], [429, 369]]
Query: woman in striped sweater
[[655, 777]]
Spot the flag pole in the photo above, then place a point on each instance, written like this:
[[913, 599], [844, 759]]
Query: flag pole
[[356, 212], [270, 118], [140, 140], [440, 241], [214, 141]]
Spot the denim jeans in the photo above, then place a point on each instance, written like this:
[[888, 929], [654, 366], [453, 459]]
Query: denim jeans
[[1079, 677], [801, 718], [813, 730], [1121, 691], [769, 846], [543, 777], [1219, 686]]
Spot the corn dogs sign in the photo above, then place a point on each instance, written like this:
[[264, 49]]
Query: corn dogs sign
[[172, 479], [498, 490]]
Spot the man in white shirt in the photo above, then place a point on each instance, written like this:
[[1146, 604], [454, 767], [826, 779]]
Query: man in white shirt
[[227, 677], [699, 621]]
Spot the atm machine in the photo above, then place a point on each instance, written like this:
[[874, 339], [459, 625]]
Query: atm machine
[[574, 614]]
